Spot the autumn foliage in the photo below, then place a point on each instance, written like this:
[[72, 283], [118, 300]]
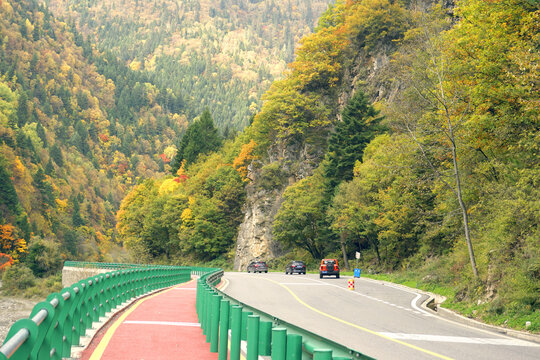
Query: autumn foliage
[[5, 261], [11, 245], [244, 159]]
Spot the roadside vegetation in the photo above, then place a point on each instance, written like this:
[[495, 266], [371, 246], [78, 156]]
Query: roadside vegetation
[[428, 167], [436, 184]]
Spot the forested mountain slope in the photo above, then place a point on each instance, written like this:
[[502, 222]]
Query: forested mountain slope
[[404, 131], [218, 54], [77, 131]]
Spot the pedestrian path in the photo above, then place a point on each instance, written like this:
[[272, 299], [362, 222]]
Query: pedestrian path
[[162, 326]]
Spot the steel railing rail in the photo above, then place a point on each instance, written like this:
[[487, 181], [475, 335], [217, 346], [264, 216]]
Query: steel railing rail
[[116, 266], [265, 334], [58, 323]]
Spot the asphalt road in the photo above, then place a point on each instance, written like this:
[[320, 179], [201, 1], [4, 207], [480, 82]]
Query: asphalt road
[[381, 321]]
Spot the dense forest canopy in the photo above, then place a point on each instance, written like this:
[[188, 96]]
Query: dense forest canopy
[[220, 55]]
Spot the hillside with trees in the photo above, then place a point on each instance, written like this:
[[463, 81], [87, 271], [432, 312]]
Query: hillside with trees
[[220, 55], [403, 131], [77, 130]]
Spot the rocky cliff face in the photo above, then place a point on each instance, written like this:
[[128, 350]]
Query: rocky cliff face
[[369, 72], [255, 234], [295, 162]]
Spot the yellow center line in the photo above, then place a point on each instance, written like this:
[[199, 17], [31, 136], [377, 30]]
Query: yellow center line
[[359, 327], [100, 349]]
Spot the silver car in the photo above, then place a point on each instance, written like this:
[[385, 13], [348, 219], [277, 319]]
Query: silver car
[[257, 266]]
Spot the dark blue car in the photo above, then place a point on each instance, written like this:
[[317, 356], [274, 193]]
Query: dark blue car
[[295, 267]]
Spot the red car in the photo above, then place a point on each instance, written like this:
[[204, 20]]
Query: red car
[[329, 267]]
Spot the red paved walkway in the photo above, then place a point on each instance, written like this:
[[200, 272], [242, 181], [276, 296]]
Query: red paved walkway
[[161, 326]]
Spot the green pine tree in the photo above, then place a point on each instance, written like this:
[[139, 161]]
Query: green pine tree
[[57, 156], [22, 109], [358, 127], [201, 137], [8, 195], [76, 215]]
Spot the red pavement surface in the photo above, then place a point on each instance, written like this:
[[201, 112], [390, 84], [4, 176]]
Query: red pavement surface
[[172, 337]]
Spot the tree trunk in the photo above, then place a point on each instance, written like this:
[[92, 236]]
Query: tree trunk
[[462, 204], [376, 246], [344, 251], [457, 190]]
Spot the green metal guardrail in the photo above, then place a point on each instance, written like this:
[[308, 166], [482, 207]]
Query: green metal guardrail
[[120, 266], [110, 266], [265, 335], [59, 322]]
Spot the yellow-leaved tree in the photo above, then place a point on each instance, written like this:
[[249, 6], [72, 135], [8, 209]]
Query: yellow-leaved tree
[[9, 244], [244, 158]]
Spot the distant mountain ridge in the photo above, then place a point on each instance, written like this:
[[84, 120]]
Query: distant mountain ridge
[[221, 55]]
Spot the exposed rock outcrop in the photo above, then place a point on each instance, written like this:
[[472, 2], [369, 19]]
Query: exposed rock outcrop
[[255, 241]]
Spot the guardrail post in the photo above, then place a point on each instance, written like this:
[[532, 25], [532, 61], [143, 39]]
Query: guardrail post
[[23, 352], [294, 347], [198, 300], [86, 316], [96, 299], [53, 338], [214, 332], [76, 313], [236, 330], [202, 306], [265, 338], [230, 315], [122, 286], [279, 343], [208, 317], [67, 326], [43, 326], [223, 330], [107, 302], [137, 282], [245, 315], [101, 296], [113, 290], [253, 337], [322, 354], [130, 276]]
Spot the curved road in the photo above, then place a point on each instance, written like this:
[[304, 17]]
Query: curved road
[[378, 320]]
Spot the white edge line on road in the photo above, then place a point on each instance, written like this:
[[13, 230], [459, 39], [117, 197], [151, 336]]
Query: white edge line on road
[[460, 339], [413, 302], [415, 306]]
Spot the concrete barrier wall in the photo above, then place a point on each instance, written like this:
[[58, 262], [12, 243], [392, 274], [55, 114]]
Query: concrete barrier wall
[[71, 275]]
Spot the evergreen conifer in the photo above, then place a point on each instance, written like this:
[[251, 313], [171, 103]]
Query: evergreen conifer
[[201, 137], [359, 125]]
